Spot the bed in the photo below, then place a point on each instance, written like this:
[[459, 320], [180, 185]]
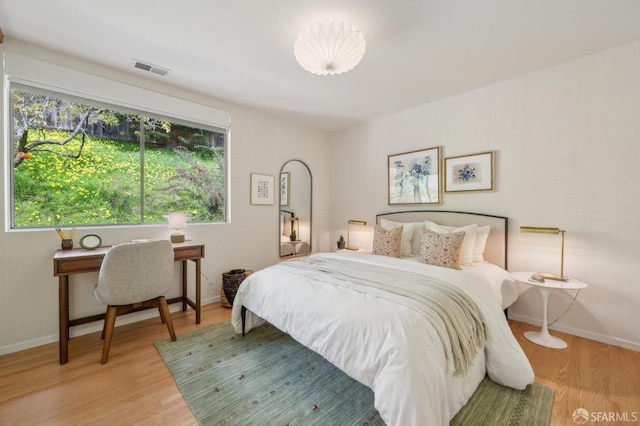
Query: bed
[[421, 336]]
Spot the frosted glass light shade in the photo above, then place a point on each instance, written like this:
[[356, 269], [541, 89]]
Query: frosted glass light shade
[[329, 47]]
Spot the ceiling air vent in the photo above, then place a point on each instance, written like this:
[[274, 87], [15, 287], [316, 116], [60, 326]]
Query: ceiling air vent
[[148, 67]]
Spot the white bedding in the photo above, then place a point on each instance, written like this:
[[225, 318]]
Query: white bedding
[[383, 345], [503, 287], [497, 279]]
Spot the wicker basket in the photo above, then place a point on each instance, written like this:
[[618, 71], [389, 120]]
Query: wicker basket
[[231, 280]]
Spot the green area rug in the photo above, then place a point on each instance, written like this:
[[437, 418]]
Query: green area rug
[[267, 378]]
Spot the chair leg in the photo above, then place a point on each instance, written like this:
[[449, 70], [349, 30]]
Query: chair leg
[[163, 307], [104, 325], [109, 324]]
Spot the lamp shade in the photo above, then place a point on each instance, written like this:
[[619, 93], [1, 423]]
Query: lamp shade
[[540, 230], [329, 47], [177, 220]]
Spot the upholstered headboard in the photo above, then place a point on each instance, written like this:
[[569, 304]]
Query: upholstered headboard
[[496, 247]]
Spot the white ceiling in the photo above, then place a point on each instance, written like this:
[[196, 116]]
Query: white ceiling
[[242, 50]]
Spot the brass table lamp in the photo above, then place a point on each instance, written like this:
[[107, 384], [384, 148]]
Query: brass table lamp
[[349, 223], [542, 230]]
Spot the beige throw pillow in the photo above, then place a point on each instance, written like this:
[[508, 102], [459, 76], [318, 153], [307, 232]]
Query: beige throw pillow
[[387, 242], [441, 249]]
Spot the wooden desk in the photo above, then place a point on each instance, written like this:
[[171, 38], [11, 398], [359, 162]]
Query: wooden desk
[[78, 261]]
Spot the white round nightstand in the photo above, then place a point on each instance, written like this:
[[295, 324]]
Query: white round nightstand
[[295, 245], [543, 337]]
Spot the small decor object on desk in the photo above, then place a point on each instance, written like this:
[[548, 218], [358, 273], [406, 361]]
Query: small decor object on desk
[[67, 241], [90, 241], [293, 236], [340, 243], [231, 280]]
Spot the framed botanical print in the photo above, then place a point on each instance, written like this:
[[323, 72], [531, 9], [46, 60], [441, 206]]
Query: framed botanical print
[[261, 189], [284, 188], [467, 173], [414, 177]]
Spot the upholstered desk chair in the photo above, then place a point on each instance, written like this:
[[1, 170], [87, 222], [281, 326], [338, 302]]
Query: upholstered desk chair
[[133, 276]]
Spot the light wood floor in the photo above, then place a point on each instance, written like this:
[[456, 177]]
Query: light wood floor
[[587, 374], [135, 387]]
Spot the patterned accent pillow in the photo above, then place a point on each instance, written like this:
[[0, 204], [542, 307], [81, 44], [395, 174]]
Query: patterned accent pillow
[[387, 242], [407, 233], [441, 249], [468, 244]]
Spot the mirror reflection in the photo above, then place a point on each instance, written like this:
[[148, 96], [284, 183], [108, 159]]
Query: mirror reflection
[[295, 209]]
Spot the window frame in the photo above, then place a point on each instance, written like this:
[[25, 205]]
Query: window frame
[[27, 73]]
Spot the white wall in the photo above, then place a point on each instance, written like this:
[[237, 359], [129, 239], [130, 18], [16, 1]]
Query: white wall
[[259, 144], [567, 142]]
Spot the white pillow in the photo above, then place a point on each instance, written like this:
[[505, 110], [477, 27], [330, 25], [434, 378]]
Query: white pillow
[[481, 242], [468, 244], [407, 233], [416, 241]]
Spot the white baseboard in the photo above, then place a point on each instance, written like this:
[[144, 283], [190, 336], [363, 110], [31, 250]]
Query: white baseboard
[[580, 333], [92, 327]]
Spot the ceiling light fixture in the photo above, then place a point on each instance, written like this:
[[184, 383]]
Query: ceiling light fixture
[[329, 47]]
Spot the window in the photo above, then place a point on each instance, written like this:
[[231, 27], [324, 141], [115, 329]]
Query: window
[[77, 161]]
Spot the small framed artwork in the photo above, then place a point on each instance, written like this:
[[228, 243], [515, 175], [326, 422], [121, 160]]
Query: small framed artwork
[[284, 189], [261, 189], [90, 241], [467, 173], [414, 177]]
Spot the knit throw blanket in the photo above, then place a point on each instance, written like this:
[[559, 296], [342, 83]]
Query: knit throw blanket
[[454, 316]]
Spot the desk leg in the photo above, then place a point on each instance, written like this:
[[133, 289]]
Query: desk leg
[[63, 319], [198, 291], [185, 299], [184, 285]]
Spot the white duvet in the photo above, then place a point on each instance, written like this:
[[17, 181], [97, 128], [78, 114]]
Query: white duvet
[[383, 345]]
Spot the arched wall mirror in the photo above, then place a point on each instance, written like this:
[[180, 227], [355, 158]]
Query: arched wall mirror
[[295, 209]]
